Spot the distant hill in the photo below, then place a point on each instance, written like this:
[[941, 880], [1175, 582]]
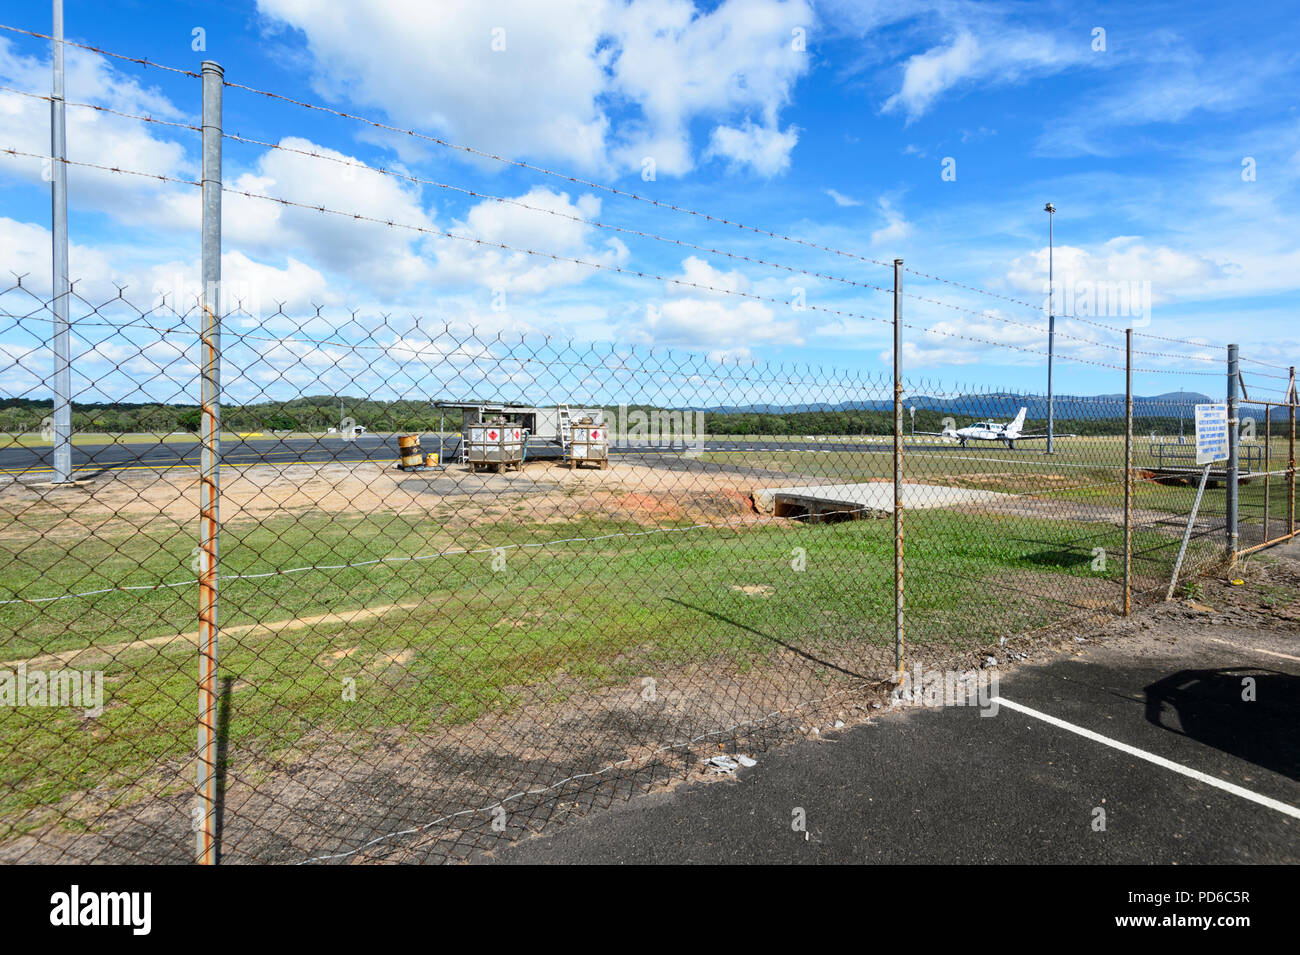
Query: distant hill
[[994, 405]]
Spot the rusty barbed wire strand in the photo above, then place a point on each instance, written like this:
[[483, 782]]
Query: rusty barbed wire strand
[[734, 256], [654, 202], [140, 61], [162, 177], [1078, 318], [104, 109], [601, 266], [613, 190], [841, 313]]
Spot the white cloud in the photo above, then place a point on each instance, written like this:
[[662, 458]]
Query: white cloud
[[1001, 55], [563, 71], [896, 228], [841, 199], [699, 272], [374, 253], [433, 66], [252, 292], [766, 150], [928, 74], [464, 263], [94, 136], [704, 323], [724, 324], [25, 251], [1172, 274]]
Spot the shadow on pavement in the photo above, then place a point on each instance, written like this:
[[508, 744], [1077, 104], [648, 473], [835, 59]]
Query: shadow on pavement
[[1211, 706]]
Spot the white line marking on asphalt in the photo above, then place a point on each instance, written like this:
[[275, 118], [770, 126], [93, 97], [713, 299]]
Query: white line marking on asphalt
[[1271, 653], [1199, 776]]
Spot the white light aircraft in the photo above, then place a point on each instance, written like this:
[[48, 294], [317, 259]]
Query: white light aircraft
[[1007, 433]]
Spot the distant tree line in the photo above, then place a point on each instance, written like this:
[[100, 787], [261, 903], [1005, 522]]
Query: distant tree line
[[311, 414], [317, 414]]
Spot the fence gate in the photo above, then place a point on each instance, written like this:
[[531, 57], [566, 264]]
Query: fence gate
[[1267, 495]]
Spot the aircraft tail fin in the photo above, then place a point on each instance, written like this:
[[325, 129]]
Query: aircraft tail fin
[[1018, 425]]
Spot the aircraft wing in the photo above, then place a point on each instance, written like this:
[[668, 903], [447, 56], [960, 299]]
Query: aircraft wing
[[1042, 435]]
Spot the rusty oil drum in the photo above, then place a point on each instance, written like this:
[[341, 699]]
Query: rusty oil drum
[[408, 446]]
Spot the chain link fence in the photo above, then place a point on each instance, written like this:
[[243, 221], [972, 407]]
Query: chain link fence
[[444, 621], [433, 589]]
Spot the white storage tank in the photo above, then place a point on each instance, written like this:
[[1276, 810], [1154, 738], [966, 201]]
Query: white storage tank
[[494, 447], [589, 444]]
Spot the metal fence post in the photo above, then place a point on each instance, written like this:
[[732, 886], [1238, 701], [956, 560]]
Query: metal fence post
[[1128, 471], [1268, 462], [1290, 464], [1233, 439], [209, 464], [62, 338], [898, 473]]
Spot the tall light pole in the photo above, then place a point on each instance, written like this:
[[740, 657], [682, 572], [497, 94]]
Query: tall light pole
[[1051, 333], [62, 403]]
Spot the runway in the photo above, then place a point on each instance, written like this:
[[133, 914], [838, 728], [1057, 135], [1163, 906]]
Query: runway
[[379, 449]]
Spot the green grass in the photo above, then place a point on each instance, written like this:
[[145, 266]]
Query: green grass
[[1088, 469], [559, 619], [563, 618]]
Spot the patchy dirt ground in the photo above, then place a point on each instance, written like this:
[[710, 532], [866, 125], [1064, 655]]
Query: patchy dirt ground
[[541, 491], [407, 796], [444, 796], [397, 795]]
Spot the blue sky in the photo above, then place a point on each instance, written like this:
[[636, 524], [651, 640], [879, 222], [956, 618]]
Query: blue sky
[[1167, 135]]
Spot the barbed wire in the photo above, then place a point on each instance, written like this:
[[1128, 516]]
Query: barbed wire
[[841, 313], [576, 180], [161, 177], [735, 256], [1083, 319], [720, 220], [103, 109], [141, 61], [613, 190], [519, 686]]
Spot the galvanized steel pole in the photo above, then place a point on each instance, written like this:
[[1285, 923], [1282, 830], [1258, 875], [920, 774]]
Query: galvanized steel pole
[[62, 343], [1290, 463], [209, 465], [1268, 463], [1051, 330], [1234, 370], [898, 472], [1128, 471]]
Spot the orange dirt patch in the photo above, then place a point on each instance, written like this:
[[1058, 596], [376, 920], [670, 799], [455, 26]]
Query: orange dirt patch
[[110, 651]]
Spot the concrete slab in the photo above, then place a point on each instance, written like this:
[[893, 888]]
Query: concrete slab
[[871, 499]]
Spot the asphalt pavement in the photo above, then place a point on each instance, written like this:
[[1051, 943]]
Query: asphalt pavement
[[947, 785]]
